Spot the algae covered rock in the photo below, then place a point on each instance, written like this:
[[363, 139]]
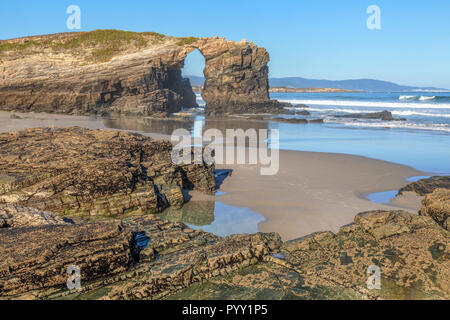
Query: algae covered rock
[[14, 216], [94, 172], [428, 185], [437, 206]]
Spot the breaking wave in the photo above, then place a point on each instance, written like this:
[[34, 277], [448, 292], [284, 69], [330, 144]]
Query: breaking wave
[[424, 98], [371, 104], [395, 124]]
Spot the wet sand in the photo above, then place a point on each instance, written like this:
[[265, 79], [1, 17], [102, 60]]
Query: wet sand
[[316, 191], [311, 192]]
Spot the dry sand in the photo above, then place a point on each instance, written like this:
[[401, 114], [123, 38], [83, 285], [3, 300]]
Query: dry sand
[[316, 191]]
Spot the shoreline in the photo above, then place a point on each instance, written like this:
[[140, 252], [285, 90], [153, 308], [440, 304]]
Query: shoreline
[[313, 191]]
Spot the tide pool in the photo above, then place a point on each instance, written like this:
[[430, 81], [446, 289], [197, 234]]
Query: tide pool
[[216, 217]]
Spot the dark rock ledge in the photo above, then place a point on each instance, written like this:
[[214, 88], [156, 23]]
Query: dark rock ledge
[[77, 171], [383, 115]]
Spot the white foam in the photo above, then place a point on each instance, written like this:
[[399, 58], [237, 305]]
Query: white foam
[[408, 97], [369, 104], [393, 124], [425, 98], [394, 112]]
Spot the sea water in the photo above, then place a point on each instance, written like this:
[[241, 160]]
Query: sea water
[[422, 141]]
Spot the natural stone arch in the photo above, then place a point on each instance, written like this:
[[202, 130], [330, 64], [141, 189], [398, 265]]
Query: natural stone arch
[[141, 77], [236, 76]]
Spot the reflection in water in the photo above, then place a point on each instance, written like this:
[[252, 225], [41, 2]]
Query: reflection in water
[[215, 217], [149, 125], [199, 213], [196, 124]]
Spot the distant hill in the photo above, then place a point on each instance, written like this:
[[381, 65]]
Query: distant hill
[[357, 84], [196, 80]]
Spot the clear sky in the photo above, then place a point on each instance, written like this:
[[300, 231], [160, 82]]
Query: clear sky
[[322, 39]]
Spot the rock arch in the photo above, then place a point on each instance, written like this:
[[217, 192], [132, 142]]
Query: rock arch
[[134, 79], [236, 76]]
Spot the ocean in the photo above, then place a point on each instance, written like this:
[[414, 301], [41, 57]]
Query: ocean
[[423, 110], [422, 141]]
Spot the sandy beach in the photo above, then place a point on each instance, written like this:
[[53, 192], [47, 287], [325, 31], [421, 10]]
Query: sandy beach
[[316, 191], [311, 192]]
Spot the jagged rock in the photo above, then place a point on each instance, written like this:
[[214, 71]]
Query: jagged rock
[[412, 253], [236, 77], [151, 259], [426, 186], [95, 172], [111, 71], [186, 257], [383, 115], [437, 206], [13, 216], [35, 260], [156, 259]]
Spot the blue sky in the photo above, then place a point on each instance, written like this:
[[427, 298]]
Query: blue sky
[[324, 39]]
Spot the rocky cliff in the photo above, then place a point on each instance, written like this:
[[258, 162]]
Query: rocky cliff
[[109, 71]]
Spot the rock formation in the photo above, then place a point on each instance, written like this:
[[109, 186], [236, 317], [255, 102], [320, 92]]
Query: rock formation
[[236, 77], [437, 206], [383, 115], [94, 172], [412, 253], [110, 71], [37, 258], [147, 258], [426, 186], [296, 120], [72, 172], [14, 216]]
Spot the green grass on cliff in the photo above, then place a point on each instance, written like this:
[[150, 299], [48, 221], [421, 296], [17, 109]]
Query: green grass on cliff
[[186, 40], [6, 46], [92, 47], [108, 43], [100, 45]]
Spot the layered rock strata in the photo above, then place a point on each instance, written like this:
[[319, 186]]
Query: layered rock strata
[[94, 172], [437, 206], [14, 216], [425, 186], [37, 258], [155, 259], [111, 71]]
